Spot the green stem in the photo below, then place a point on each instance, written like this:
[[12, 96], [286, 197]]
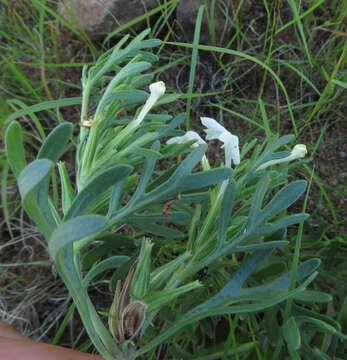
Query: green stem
[[294, 270], [325, 91]]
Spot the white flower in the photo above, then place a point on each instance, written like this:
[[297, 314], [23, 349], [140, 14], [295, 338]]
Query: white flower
[[157, 90], [231, 142], [299, 151], [188, 136]]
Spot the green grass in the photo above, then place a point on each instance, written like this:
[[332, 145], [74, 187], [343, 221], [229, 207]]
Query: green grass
[[284, 73]]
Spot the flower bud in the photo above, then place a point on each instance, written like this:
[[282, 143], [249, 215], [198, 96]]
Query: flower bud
[[299, 151], [140, 282], [157, 90]]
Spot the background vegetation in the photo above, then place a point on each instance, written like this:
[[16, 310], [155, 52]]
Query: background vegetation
[[285, 72]]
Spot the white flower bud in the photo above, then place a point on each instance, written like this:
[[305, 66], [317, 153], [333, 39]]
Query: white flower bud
[[157, 90], [299, 151]]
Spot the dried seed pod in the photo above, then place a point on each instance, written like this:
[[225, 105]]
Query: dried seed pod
[[132, 320], [126, 320], [113, 319]]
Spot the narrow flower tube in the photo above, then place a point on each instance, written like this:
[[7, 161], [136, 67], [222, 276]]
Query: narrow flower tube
[[299, 151], [157, 90], [230, 142], [189, 136]]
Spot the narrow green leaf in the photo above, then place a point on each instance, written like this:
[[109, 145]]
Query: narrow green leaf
[[174, 123], [110, 263], [311, 296], [255, 302], [291, 334], [234, 286], [160, 275], [258, 198], [157, 299], [177, 217], [107, 244], [225, 212], [284, 198], [204, 179], [146, 174], [158, 230], [67, 191], [47, 105]]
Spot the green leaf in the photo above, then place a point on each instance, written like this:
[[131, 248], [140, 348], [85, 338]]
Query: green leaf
[[234, 286], [284, 198], [157, 299], [174, 123], [291, 334], [47, 105], [225, 212], [33, 184], [258, 218], [140, 281], [311, 296], [55, 143], [146, 174], [67, 191], [343, 84], [95, 188], [254, 299], [108, 243], [110, 263], [299, 311], [157, 230], [265, 245], [84, 228], [268, 154], [161, 275], [177, 217], [116, 197], [138, 150], [322, 325], [204, 179], [15, 148]]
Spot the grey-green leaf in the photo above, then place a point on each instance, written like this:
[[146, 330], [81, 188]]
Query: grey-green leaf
[[292, 334], [55, 144], [33, 184], [95, 188], [84, 228], [14, 148]]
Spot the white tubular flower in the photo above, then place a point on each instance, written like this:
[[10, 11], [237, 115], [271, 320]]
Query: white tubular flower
[[299, 151], [157, 90], [231, 142], [188, 136]]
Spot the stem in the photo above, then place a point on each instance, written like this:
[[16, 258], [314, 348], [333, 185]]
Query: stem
[[325, 91], [293, 275]]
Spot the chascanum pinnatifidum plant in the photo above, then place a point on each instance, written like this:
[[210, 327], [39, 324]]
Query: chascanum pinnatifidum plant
[[117, 153]]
